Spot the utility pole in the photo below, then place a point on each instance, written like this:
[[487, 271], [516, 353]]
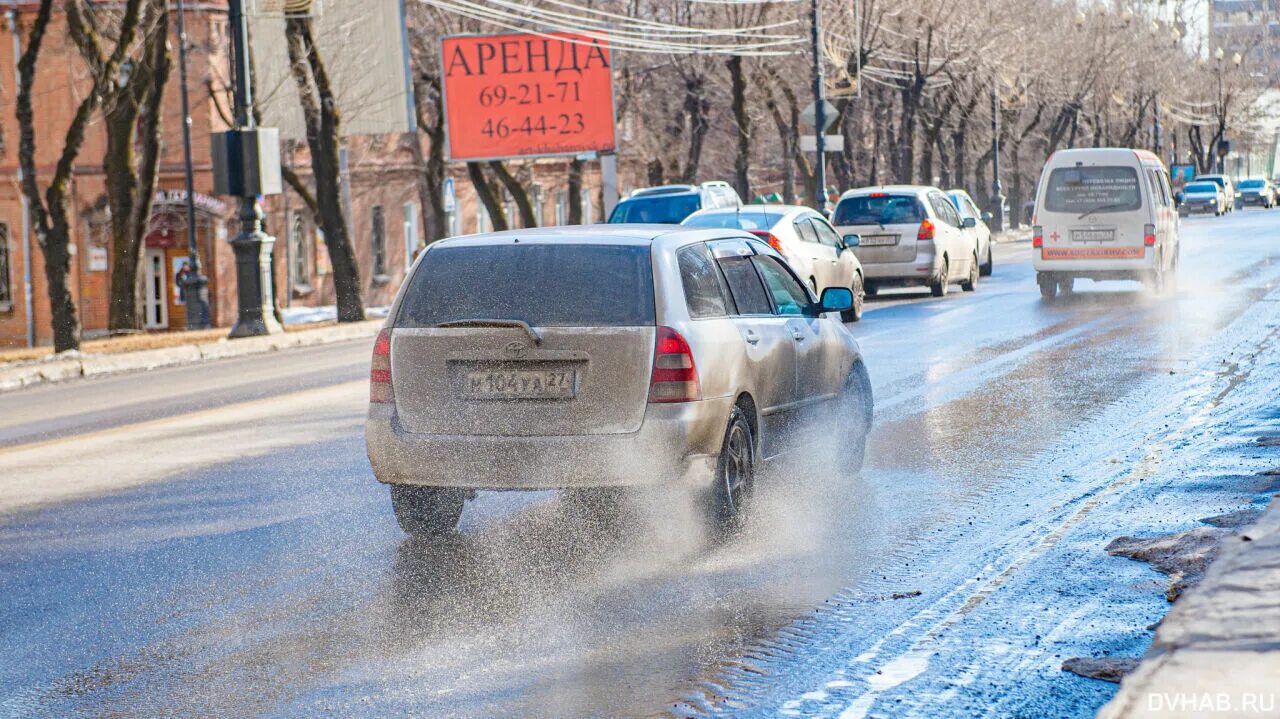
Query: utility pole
[[819, 112], [246, 165], [997, 190], [1158, 138], [195, 289]]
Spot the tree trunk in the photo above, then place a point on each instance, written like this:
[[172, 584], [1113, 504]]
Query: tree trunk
[[575, 192], [517, 191], [321, 117], [742, 121], [434, 167], [488, 197], [698, 109]]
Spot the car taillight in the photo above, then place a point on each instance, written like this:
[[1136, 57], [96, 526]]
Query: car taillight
[[1037, 236], [380, 391], [769, 237], [926, 230], [675, 379], [1149, 235]]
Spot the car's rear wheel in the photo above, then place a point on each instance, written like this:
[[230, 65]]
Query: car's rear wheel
[[939, 285], [990, 264], [426, 512], [971, 283], [857, 409], [854, 313], [1048, 285], [735, 474]]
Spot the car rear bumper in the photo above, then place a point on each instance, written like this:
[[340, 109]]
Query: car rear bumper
[[1192, 206], [918, 271], [1101, 267], [678, 444]]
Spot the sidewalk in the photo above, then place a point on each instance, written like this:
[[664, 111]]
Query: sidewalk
[[1217, 653], [100, 359]]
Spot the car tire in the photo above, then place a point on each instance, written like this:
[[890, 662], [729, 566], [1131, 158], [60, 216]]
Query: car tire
[[859, 296], [857, 410], [1154, 281], [971, 283], [1067, 286], [427, 512], [990, 265], [938, 287], [735, 475], [1048, 286]]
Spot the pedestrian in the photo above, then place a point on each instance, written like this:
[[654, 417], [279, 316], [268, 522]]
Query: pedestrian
[[180, 281]]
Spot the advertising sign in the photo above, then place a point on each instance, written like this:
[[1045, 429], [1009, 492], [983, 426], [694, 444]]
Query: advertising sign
[[523, 95]]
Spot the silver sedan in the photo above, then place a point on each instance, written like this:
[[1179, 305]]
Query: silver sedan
[[606, 356]]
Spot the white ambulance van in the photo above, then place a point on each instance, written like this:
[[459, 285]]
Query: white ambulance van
[[1104, 214]]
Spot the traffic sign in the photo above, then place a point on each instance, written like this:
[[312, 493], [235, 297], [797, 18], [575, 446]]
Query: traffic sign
[[831, 143], [450, 196], [809, 115]]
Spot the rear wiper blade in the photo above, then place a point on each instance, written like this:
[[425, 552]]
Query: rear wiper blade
[[1101, 208], [482, 322]]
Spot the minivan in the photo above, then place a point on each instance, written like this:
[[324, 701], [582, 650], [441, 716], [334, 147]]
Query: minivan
[[1104, 214]]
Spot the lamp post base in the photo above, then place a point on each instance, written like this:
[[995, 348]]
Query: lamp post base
[[254, 292]]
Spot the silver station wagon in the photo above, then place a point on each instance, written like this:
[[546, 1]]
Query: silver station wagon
[[606, 356]]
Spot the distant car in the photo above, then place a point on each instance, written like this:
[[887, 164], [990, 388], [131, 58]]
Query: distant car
[[806, 240], [1202, 197], [1257, 191], [1229, 193], [909, 235], [670, 204], [968, 209], [603, 357], [1104, 214]]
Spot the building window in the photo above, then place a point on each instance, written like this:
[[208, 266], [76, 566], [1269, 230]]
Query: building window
[[587, 216], [410, 233], [378, 241], [6, 280], [535, 197], [562, 208], [299, 247]]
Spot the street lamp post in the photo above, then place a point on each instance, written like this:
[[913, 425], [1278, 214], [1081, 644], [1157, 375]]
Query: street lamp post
[[195, 289], [251, 162], [819, 112], [997, 190]]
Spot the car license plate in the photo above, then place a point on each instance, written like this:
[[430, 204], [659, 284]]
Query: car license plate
[[877, 240], [519, 384], [1108, 235]]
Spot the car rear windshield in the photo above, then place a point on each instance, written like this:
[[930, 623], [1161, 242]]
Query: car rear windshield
[[578, 285], [1201, 187], [742, 220], [660, 209], [1093, 189], [879, 209], [1252, 184]]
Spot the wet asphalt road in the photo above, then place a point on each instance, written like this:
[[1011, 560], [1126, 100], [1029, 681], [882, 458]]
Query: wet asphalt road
[[195, 579]]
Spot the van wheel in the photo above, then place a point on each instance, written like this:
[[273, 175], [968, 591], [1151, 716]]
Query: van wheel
[[990, 265], [854, 313], [939, 286], [425, 512], [735, 474], [971, 284], [1154, 280], [1048, 285]]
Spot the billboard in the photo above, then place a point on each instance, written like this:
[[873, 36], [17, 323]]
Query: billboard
[[524, 95]]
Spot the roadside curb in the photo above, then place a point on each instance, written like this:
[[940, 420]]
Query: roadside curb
[[59, 368], [1218, 650]]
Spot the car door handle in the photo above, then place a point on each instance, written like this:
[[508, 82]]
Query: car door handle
[[752, 338]]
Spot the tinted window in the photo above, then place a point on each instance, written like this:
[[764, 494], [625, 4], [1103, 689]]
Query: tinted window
[[704, 291], [744, 284], [961, 206], [544, 285], [805, 230], [788, 294], [661, 209], [1206, 187], [943, 208], [743, 220], [826, 235], [1252, 184], [879, 209], [1093, 189]]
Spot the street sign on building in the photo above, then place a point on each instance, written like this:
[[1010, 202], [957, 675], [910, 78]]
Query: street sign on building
[[525, 95]]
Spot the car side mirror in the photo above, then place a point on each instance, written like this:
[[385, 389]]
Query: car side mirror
[[969, 223], [852, 240], [988, 217], [836, 299]]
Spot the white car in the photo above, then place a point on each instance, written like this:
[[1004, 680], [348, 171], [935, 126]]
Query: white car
[[820, 255], [969, 211], [1104, 214], [909, 235]]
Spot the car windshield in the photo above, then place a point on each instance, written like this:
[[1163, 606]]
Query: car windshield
[[879, 209], [1201, 187], [578, 285], [1252, 184], [660, 209], [1093, 189], [743, 219]]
